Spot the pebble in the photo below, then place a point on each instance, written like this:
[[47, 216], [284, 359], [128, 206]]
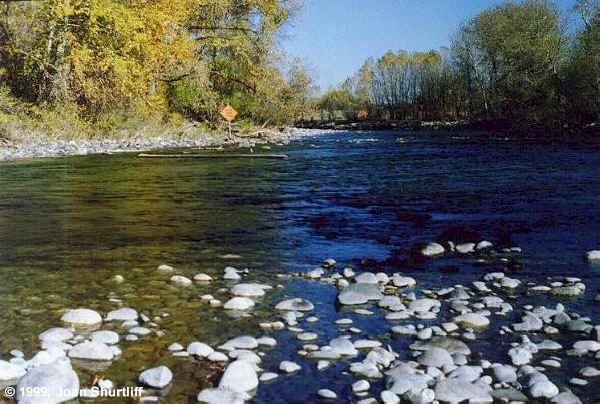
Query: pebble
[[268, 376], [202, 277], [327, 394], [181, 280], [165, 269], [289, 367], [122, 314], [432, 249], [360, 386], [199, 349]]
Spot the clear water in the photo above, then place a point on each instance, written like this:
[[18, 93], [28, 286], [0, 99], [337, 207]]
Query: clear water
[[68, 225]]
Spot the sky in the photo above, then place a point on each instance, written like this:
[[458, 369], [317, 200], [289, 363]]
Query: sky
[[334, 37]]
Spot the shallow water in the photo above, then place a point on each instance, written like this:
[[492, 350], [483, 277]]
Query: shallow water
[[68, 225]]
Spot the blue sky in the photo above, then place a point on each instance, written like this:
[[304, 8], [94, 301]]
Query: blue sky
[[334, 37]]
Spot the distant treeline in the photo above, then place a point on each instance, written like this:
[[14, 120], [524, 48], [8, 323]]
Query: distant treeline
[[110, 59], [515, 61]]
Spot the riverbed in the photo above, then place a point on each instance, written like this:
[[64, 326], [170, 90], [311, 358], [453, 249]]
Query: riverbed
[[70, 225]]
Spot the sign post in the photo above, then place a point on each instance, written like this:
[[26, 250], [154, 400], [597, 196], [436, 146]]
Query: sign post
[[229, 113]]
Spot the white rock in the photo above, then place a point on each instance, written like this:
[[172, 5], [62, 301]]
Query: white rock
[[201, 277], [10, 372], [343, 346], [472, 320], [165, 269], [249, 289], [327, 394], [105, 337], [289, 367], [543, 388], [122, 314], [389, 397], [436, 357], [456, 391], [239, 303], [231, 274], [465, 248], [296, 304], [267, 341], [139, 330], [360, 386], [82, 317], [239, 376], [268, 376], [217, 356], [57, 380], [56, 334], [593, 256], [520, 356], [175, 346], [199, 349], [92, 350], [158, 377], [181, 280], [432, 249], [222, 396], [242, 342], [359, 293]]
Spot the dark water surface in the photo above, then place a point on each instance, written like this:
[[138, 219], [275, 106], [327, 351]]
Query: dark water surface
[[68, 225]]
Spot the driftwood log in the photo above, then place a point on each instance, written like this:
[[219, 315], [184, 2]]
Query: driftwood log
[[215, 156]]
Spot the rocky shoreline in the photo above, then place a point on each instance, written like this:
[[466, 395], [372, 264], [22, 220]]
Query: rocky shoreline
[[58, 148], [442, 325]]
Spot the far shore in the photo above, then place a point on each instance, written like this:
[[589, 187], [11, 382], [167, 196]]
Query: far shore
[[48, 147]]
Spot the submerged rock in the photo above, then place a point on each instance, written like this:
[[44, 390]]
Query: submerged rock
[[456, 391], [57, 380], [81, 317], [239, 303], [122, 314], [92, 350], [296, 304], [181, 280], [221, 396], [10, 372], [593, 256], [289, 367], [56, 334], [239, 376], [249, 289], [432, 249], [158, 377], [436, 357], [359, 293], [472, 320]]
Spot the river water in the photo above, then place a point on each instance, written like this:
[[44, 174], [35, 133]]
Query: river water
[[68, 225]]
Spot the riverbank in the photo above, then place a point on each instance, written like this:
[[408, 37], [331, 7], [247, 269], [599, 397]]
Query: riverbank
[[495, 126], [126, 141]]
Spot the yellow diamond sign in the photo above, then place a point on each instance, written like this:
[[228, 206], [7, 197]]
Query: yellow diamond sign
[[228, 113]]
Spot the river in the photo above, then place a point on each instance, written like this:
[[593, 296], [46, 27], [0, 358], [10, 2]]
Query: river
[[69, 225]]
